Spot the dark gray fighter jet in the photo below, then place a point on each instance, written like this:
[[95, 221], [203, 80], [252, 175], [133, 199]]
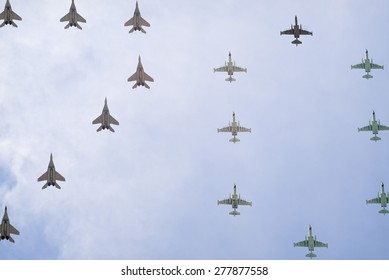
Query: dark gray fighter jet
[[137, 21], [140, 76], [51, 176], [296, 31], [6, 229], [8, 15], [105, 119], [73, 17]]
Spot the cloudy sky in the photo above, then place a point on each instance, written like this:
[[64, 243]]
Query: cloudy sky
[[150, 190]]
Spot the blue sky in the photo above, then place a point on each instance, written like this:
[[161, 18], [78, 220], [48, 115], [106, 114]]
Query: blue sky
[[150, 190]]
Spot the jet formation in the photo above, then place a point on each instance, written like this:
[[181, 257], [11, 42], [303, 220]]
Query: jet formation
[[374, 127], [51, 175], [137, 21], [6, 229], [9, 16], [234, 128], [296, 31], [234, 200], [311, 243], [140, 76], [382, 198], [105, 119], [73, 17], [230, 67], [367, 64]]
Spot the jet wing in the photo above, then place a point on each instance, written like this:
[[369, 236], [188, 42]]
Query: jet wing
[[80, 18], [227, 201], [13, 230], [65, 18], [130, 22], [112, 120], [225, 129], [365, 128], [244, 202], [133, 77], [287, 32], [374, 201], [301, 244], [358, 66], [144, 22], [15, 16], [243, 129], [59, 177], [376, 66], [319, 244], [44, 177], [382, 127], [239, 69], [305, 32], [147, 77], [2, 15], [221, 69], [99, 119]]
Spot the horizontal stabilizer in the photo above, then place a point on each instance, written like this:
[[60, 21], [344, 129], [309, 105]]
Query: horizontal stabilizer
[[230, 79], [367, 76], [67, 26], [11, 239], [375, 138], [44, 186], [234, 213], [383, 211], [234, 140], [57, 186], [296, 42], [311, 255], [147, 86]]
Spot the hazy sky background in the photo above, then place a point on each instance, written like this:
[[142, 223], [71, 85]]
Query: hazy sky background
[[150, 190]]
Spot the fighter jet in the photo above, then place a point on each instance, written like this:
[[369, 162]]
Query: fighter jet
[[51, 175], [383, 199], [234, 128], [311, 243], [234, 200], [6, 229], [230, 68], [296, 31], [137, 21], [8, 15], [73, 17], [140, 76], [105, 119], [367, 64], [374, 126]]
